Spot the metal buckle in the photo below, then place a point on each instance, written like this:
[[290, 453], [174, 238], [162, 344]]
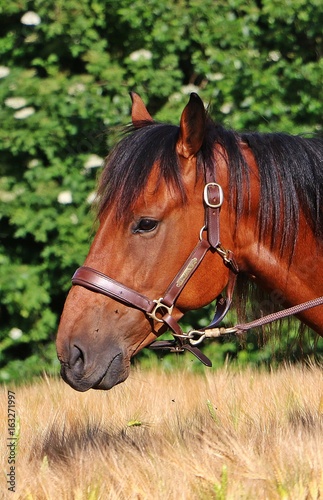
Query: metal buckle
[[162, 306], [206, 198]]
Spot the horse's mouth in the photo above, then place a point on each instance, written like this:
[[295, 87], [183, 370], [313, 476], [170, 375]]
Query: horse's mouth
[[116, 372]]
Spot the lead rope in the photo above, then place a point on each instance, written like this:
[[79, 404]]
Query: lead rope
[[195, 337]]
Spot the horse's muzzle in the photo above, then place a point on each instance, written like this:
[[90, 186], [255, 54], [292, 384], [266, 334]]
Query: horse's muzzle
[[83, 373]]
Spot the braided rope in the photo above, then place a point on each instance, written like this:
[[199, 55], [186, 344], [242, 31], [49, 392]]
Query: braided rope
[[280, 314], [217, 332]]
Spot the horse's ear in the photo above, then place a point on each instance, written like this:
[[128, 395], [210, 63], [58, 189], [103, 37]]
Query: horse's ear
[[139, 113], [192, 127]]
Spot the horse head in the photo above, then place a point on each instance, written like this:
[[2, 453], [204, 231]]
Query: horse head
[[151, 217]]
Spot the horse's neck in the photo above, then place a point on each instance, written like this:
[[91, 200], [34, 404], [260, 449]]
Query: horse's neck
[[293, 274]]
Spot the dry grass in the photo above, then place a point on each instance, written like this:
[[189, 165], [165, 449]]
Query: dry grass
[[225, 435]]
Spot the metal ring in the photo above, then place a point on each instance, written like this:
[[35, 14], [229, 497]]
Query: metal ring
[[201, 232], [197, 333], [160, 305]]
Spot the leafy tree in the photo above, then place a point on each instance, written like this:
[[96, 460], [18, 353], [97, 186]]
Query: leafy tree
[[66, 69]]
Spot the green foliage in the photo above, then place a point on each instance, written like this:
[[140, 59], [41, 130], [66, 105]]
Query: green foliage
[[66, 69]]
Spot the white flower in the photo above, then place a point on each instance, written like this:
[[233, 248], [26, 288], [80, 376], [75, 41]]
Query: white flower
[[188, 89], [226, 108], [91, 197], [93, 161], [33, 163], [30, 18], [65, 197], [246, 103], [15, 102], [141, 54], [215, 77], [15, 333], [74, 219], [24, 113], [4, 71], [176, 97], [274, 55], [7, 196], [76, 88]]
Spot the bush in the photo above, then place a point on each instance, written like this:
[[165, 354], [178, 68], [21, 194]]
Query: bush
[[64, 93]]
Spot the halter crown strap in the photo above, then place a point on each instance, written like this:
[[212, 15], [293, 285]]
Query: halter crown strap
[[213, 199]]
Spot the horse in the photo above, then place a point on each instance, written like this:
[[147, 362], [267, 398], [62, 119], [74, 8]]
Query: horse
[[182, 210]]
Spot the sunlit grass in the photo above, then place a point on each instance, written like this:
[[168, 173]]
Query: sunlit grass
[[226, 434]]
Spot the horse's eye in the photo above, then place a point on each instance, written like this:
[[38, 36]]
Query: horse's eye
[[145, 225]]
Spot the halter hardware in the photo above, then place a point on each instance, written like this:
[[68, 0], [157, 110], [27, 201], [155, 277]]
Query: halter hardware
[[164, 309], [207, 201], [160, 310]]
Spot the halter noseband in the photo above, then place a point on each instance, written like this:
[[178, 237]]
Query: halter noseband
[[160, 310]]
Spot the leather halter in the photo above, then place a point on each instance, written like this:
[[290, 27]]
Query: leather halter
[[160, 310]]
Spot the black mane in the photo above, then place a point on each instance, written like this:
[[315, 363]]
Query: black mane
[[128, 166], [290, 170], [291, 180]]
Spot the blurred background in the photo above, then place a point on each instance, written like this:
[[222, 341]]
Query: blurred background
[[66, 69]]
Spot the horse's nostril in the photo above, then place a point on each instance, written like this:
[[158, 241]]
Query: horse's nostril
[[76, 358]]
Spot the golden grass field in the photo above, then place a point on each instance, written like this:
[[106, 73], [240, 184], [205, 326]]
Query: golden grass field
[[227, 434]]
